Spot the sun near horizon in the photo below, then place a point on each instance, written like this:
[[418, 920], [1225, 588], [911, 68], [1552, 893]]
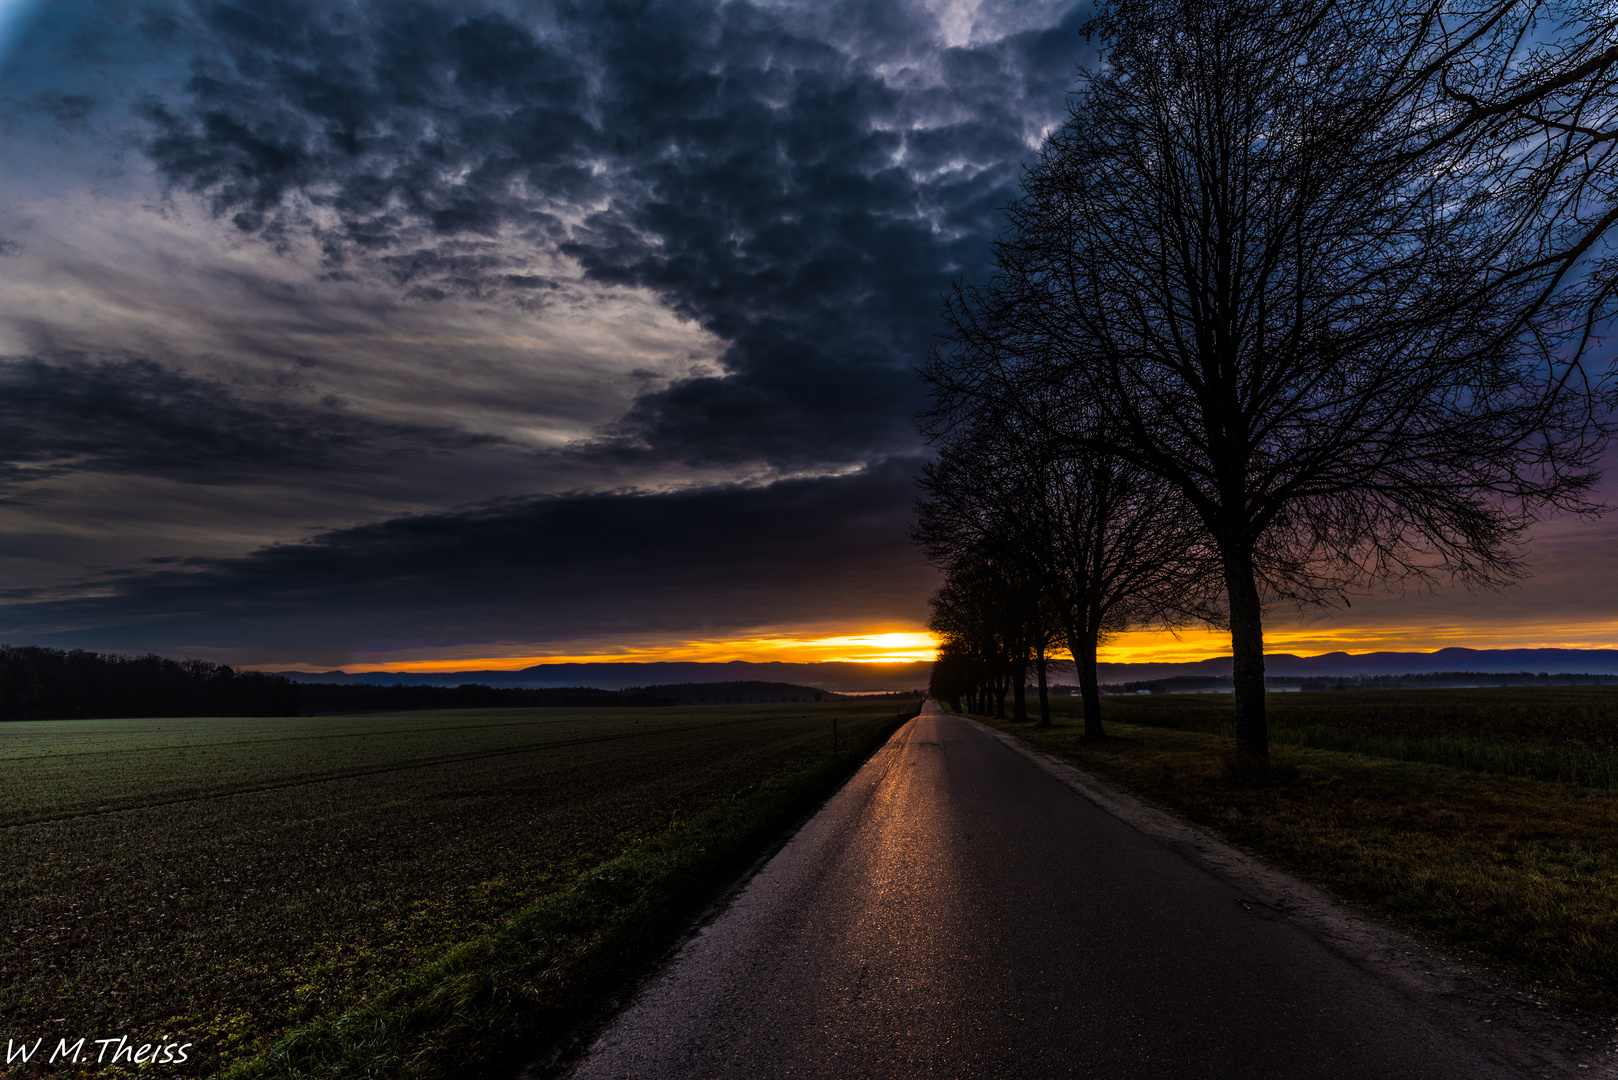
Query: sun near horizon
[[881, 646], [889, 645]]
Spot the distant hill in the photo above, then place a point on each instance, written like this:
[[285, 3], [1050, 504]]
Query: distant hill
[[846, 678], [1551, 661], [39, 683], [841, 678], [737, 693], [1201, 684], [326, 698], [48, 684]]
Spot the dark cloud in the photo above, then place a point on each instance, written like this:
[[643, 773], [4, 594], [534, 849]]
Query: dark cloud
[[702, 562], [135, 416], [791, 193], [365, 243], [394, 118], [392, 203]]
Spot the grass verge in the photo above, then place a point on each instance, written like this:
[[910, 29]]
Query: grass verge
[[1519, 873], [501, 999], [1566, 734]]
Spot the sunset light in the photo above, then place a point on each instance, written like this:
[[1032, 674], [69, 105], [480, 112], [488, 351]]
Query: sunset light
[[1184, 646], [882, 647], [897, 646]]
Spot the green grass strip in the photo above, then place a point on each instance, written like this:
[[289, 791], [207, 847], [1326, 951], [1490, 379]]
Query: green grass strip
[[506, 997], [1564, 735]]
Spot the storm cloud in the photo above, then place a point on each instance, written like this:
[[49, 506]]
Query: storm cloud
[[534, 570], [134, 415], [366, 328], [496, 321], [803, 199]]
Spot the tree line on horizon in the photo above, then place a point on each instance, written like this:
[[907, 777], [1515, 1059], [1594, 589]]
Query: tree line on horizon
[[39, 683], [1303, 300]]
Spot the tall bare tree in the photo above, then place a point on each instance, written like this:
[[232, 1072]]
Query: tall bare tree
[[1332, 271], [1084, 544], [978, 619], [1125, 553]]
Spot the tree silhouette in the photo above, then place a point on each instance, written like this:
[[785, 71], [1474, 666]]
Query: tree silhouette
[[1075, 545], [1333, 272]]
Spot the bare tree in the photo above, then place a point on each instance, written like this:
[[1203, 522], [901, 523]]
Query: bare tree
[[1084, 544], [977, 620], [977, 521], [1331, 271], [1126, 553]]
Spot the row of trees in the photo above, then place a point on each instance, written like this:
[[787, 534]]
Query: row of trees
[[45, 684], [1047, 548], [38, 683], [1303, 299]]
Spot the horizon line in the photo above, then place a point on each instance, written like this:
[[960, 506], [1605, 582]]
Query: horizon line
[[518, 664]]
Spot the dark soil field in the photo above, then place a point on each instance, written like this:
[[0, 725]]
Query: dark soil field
[[221, 881]]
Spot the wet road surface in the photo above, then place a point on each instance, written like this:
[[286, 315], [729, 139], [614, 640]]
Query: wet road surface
[[955, 911]]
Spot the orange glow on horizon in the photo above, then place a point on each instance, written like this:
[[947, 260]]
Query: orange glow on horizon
[[1165, 647], [886, 647], [916, 646]]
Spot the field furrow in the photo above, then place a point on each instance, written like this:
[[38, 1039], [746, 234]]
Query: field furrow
[[222, 881]]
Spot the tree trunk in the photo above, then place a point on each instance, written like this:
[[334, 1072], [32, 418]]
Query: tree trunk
[[1040, 665], [1019, 691], [1084, 660], [1247, 672], [1000, 687]]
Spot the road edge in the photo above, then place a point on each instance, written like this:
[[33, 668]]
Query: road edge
[[1509, 1019], [560, 1060]]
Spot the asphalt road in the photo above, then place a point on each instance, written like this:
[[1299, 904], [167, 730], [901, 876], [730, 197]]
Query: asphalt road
[[956, 911]]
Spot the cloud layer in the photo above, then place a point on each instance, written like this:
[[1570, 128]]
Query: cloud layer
[[531, 571], [803, 199], [336, 328], [544, 320]]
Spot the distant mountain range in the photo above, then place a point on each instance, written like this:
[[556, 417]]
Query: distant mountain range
[[866, 678], [841, 678], [1551, 661]]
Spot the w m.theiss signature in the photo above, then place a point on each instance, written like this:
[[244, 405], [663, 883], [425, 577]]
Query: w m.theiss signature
[[122, 1049]]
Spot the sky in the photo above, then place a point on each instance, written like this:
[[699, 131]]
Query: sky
[[396, 334]]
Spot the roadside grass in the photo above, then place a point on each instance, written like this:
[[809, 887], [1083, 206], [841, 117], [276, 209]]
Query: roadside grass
[[1567, 734], [1520, 873], [492, 1003], [223, 882]]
